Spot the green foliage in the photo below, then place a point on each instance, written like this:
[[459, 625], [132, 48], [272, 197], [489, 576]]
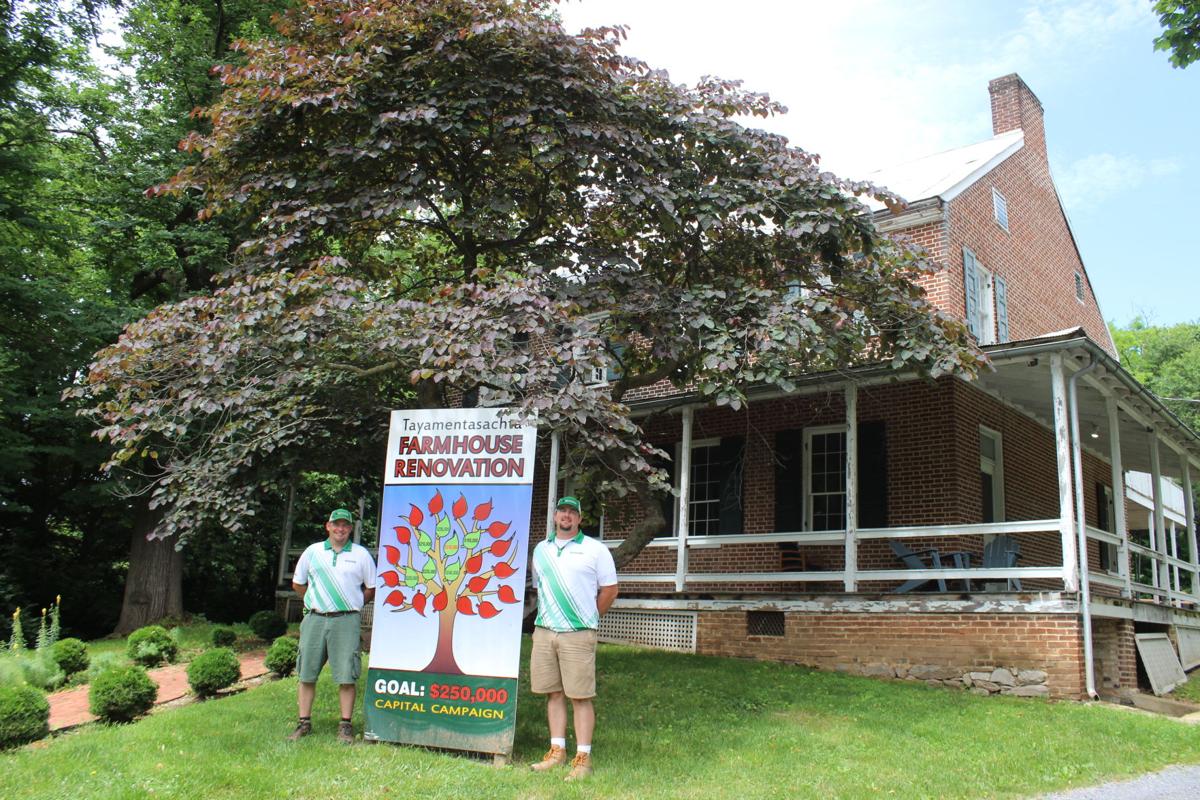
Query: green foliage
[[24, 716], [1181, 30], [71, 655], [223, 636], [151, 646], [121, 694], [213, 670], [267, 625], [16, 641], [104, 662], [35, 668], [1166, 360], [282, 655]]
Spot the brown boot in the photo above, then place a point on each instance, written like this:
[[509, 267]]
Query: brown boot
[[345, 733], [555, 757], [581, 767], [303, 728]]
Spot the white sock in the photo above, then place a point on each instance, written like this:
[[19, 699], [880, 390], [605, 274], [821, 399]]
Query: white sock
[[584, 748], [555, 742]]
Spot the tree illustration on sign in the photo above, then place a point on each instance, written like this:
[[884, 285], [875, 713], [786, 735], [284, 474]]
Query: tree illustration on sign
[[459, 568]]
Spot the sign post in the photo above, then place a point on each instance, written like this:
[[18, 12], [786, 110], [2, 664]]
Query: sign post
[[453, 546]]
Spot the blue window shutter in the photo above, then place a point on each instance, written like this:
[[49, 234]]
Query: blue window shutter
[[971, 282], [613, 374], [1001, 309]]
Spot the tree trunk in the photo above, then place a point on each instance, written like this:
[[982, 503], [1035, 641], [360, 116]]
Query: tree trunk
[[443, 660], [154, 585]]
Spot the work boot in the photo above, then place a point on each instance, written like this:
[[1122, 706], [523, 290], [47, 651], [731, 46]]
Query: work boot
[[581, 767], [303, 728], [555, 757], [345, 733]]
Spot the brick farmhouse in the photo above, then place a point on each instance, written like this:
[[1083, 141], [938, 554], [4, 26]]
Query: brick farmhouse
[[880, 524]]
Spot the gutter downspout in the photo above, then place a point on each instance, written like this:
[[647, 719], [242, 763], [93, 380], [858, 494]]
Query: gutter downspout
[[1085, 594]]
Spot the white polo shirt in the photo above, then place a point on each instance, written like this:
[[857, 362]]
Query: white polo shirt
[[568, 577], [335, 580]]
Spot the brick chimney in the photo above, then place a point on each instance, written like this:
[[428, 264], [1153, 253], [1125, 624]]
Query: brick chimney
[[1014, 106]]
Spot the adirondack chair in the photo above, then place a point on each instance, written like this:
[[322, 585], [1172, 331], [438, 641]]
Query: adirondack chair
[[1003, 552], [914, 559]]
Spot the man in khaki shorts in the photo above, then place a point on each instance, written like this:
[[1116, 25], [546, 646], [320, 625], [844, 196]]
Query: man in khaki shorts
[[576, 582], [334, 578]]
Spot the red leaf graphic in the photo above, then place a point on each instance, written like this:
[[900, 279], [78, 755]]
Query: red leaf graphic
[[391, 578], [415, 517], [498, 529], [435, 504], [500, 547], [418, 602], [464, 606], [459, 508], [487, 610], [474, 563], [503, 570], [483, 510], [396, 598], [477, 583], [391, 554], [506, 594], [439, 602], [403, 534]]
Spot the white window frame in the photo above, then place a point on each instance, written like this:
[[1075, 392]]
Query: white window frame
[[1000, 209], [596, 376], [1114, 551], [809, 433], [995, 468], [985, 309], [692, 502]]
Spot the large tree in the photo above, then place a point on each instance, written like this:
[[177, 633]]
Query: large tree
[[1166, 360], [1181, 30], [458, 198]]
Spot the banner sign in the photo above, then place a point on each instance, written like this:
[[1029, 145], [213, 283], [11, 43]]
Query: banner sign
[[453, 550]]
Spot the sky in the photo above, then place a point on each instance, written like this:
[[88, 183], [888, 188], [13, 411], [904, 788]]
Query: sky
[[872, 83]]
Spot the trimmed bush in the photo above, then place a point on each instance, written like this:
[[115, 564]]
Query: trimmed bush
[[267, 625], [151, 646], [120, 695], [223, 636], [213, 670], [71, 655], [281, 656], [24, 716]]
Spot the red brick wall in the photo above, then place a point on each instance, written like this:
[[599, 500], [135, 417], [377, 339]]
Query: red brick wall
[[1114, 658], [1048, 642]]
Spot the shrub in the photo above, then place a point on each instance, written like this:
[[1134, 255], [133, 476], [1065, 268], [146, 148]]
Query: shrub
[[267, 625], [151, 646], [119, 695], [24, 715], [281, 656], [71, 655], [223, 636], [30, 668], [102, 663], [213, 670]]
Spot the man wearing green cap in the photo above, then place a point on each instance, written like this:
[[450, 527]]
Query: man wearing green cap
[[334, 578], [576, 582]]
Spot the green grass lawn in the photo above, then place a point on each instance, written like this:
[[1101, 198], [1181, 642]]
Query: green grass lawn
[[671, 726]]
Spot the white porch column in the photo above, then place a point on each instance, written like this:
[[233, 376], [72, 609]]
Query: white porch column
[[681, 516], [1189, 516], [1162, 571], [552, 485], [1120, 524], [851, 567], [1173, 549], [1066, 509]]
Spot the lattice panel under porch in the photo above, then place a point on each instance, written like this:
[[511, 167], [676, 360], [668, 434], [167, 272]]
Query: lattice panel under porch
[[665, 630]]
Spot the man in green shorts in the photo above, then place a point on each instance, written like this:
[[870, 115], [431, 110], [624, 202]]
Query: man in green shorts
[[576, 582], [334, 578]]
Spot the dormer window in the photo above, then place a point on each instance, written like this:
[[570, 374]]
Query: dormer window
[[1000, 209]]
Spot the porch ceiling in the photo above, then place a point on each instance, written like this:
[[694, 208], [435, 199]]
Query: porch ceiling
[[1022, 378]]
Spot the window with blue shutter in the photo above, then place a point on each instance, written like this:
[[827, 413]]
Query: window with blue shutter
[[971, 283]]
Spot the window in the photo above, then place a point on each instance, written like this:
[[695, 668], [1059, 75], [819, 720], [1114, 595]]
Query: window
[[1106, 521], [991, 474], [1000, 209], [1079, 287], [714, 487], [825, 478], [986, 301]]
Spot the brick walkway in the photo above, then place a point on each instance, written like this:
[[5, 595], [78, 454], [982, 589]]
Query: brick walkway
[[70, 708]]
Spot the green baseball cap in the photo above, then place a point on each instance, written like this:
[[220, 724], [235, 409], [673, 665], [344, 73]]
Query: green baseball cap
[[569, 502], [339, 514]]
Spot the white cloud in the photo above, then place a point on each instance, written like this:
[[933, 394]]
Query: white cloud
[[1091, 180]]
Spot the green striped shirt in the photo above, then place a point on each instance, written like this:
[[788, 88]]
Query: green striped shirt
[[335, 580], [568, 577]]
